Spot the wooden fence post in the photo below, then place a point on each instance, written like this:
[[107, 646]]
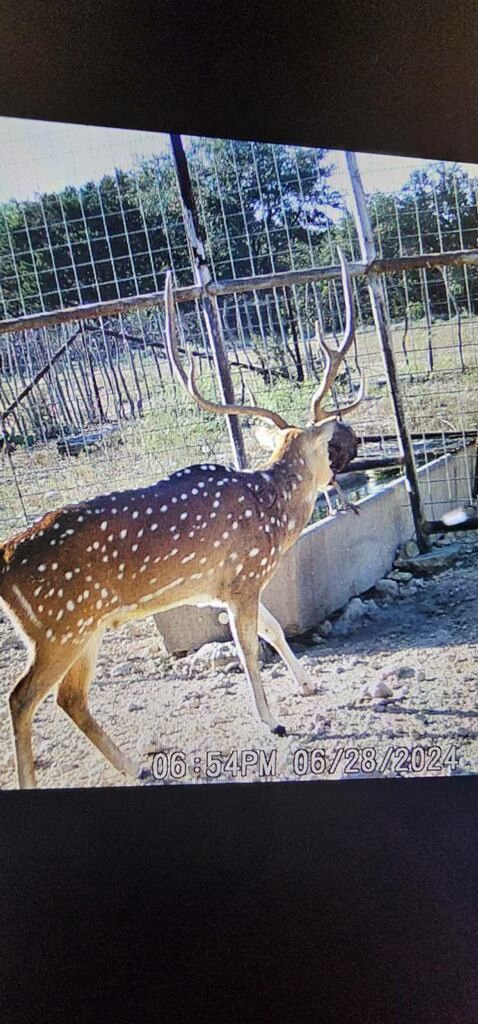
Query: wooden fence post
[[202, 277]]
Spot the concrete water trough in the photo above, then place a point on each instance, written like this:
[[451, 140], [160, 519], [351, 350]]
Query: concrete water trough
[[334, 559]]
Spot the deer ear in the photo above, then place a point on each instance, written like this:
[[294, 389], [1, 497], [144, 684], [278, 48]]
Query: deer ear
[[267, 437], [325, 428]]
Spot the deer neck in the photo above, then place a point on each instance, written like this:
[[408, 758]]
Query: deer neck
[[296, 482]]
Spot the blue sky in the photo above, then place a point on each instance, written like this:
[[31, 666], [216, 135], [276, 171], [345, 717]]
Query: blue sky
[[39, 156]]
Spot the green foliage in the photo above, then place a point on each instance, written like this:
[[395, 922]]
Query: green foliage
[[436, 210], [116, 238], [261, 204], [263, 208], [416, 310]]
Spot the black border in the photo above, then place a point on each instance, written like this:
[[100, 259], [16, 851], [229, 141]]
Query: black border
[[396, 76], [351, 901], [306, 901]]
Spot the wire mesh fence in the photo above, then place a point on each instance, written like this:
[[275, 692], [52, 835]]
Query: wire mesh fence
[[91, 404]]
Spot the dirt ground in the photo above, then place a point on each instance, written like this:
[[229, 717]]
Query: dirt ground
[[421, 645]]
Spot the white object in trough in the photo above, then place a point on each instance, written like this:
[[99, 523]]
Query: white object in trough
[[455, 516]]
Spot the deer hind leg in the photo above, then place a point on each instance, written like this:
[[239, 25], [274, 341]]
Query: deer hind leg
[[271, 630], [73, 698], [31, 688], [244, 628]]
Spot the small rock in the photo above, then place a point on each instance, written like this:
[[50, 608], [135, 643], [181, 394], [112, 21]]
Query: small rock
[[121, 670], [135, 629], [354, 612], [356, 609], [400, 692], [387, 588], [12, 645], [324, 629], [232, 667], [373, 609], [379, 689], [432, 562], [156, 650], [136, 707], [400, 672], [215, 655], [400, 577], [408, 550]]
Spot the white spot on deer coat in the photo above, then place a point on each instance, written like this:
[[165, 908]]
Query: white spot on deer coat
[[188, 558], [25, 605]]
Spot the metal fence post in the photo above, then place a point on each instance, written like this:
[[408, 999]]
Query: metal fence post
[[202, 276], [377, 299]]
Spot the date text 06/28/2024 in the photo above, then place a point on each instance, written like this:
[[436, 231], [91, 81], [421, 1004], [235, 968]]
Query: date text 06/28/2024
[[176, 765]]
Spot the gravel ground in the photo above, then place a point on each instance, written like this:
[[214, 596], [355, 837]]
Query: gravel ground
[[420, 647]]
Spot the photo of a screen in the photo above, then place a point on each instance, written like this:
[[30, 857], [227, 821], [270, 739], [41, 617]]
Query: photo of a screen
[[238, 461]]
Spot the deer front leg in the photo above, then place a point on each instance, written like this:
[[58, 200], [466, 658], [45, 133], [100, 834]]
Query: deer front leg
[[328, 501], [271, 630], [244, 628], [346, 504]]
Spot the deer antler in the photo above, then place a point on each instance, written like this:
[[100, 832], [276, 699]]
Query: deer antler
[[334, 356], [188, 380]]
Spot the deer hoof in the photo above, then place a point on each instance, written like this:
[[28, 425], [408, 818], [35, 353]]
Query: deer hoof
[[280, 730]]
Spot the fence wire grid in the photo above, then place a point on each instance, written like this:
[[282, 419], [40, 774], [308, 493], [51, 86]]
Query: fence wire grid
[[104, 411]]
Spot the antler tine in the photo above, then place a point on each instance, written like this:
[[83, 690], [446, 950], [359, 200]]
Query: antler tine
[[238, 410], [170, 329], [359, 397], [188, 380], [334, 356]]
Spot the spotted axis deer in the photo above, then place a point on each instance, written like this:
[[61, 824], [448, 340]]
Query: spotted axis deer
[[207, 535]]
